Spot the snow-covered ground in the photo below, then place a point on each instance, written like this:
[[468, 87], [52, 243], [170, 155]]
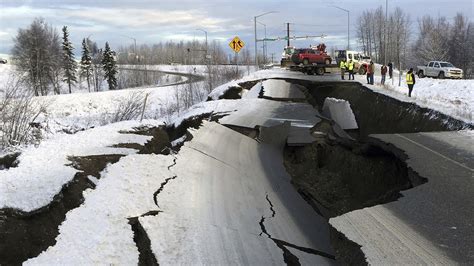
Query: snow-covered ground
[[43, 170], [99, 229], [82, 110], [451, 97], [125, 188], [86, 110]]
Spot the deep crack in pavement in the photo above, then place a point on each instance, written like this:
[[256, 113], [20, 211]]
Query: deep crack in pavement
[[142, 241], [288, 257], [162, 186]]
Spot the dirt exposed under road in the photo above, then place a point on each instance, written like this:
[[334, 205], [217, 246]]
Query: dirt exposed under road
[[26, 235]]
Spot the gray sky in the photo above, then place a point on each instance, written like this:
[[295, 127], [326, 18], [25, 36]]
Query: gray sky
[[152, 21]]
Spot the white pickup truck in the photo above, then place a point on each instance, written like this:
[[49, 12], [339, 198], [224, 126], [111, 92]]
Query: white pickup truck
[[439, 69]]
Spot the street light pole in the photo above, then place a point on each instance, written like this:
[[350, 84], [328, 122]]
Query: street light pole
[[134, 46], [348, 22], [208, 60], [264, 42], [255, 33]]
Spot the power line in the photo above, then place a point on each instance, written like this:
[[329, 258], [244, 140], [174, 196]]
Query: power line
[[316, 25]]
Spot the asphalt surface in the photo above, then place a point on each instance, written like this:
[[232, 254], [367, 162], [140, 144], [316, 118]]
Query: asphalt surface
[[235, 200], [282, 90], [432, 223]]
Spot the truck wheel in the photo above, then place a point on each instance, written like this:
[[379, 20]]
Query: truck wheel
[[320, 71], [327, 62], [441, 75], [305, 61], [361, 70], [421, 74]]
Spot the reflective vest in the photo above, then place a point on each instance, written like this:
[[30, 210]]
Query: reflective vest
[[342, 64], [350, 65], [409, 79]]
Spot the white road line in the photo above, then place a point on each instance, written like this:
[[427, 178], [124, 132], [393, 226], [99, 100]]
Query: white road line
[[435, 152]]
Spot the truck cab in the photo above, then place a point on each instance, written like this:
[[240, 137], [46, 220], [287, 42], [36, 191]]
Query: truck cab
[[360, 60]]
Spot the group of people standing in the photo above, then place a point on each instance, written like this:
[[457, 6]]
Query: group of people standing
[[349, 66]]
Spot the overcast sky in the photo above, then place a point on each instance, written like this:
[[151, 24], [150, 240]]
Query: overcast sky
[[152, 21]]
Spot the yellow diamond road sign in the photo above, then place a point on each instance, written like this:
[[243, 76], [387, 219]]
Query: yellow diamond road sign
[[236, 44]]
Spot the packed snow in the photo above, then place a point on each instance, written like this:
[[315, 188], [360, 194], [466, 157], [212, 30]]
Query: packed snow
[[125, 189], [451, 97], [98, 232], [43, 170]]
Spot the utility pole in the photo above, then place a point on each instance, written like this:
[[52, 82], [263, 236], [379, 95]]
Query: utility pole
[[385, 33], [288, 34], [255, 33], [348, 25]]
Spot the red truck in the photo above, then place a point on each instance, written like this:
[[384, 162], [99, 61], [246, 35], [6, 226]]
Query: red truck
[[309, 56]]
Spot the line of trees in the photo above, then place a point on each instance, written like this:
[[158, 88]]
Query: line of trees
[[436, 39], [378, 34], [185, 53], [46, 62], [444, 41]]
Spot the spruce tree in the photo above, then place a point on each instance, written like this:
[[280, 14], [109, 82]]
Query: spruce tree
[[69, 64], [109, 66], [86, 63]]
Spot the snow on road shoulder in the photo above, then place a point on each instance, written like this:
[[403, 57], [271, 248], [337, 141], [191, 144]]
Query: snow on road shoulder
[[98, 231], [42, 171], [218, 107], [258, 75], [451, 97]]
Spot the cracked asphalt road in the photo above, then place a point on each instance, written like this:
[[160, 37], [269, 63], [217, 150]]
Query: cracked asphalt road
[[216, 219]]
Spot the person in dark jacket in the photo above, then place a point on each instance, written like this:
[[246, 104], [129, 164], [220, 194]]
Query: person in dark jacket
[[410, 79], [383, 71], [390, 69], [370, 73]]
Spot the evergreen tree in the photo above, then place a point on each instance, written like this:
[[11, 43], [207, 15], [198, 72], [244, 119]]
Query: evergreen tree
[[69, 64], [86, 63], [109, 66]]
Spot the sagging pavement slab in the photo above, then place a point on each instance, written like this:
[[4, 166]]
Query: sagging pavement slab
[[232, 203], [432, 223], [268, 113], [281, 90]]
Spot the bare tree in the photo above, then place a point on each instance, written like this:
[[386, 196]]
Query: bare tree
[[470, 51], [37, 52], [459, 43], [432, 43], [129, 107], [389, 44], [18, 111]]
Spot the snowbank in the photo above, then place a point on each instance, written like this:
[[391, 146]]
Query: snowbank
[[98, 231], [42, 170], [451, 97]]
